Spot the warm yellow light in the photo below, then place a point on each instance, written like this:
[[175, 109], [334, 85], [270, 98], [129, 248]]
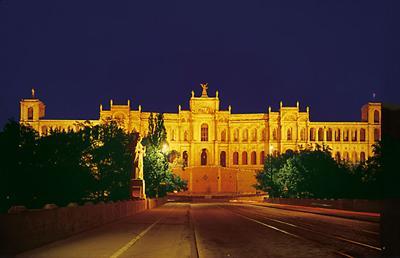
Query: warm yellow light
[[165, 148]]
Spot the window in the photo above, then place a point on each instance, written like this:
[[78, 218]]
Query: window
[[329, 134], [362, 135], [346, 156], [172, 135], [222, 159], [320, 134], [362, 157], [354, 157], [223, 136], [254, 135], [185, 157], [274, 134], [354, 135], [337, 156], [312, 134], [204, 157], [346, 135], [235, 158], [245, 135], [303, 134], [236, 135], [204, 132], [253, 158], [30, 113], [244, 158], [289, 134], [377, 135], [262, 158], [337, 135], [263, 134], [44, 130], [376, 116], [185, 136]]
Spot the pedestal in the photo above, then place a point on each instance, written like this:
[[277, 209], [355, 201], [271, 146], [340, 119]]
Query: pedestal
[[138, 189]]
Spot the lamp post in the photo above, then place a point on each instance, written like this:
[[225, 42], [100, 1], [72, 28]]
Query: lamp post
[[270, 164]]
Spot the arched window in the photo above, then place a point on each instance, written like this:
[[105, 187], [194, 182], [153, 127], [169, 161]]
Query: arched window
[[346, 135], [222, 159], [346, 156], [354, 135], [362, 134], [262, 157], [362, 157], [354, 157], [377, 135], [236, 135], [274, 134], [204, 157], [320, 134], [244, 158], [204, 132], [223, 136], [185, 136], [253, 158], [254, 135], [263, 135], [329, 134], [337, 156], [312, 134], [303, 134], [245, 135], [337, 135], [235, 158], [289, 134], [376, 116], [172, 135], [185, 157], [44, 130], [30, 113]]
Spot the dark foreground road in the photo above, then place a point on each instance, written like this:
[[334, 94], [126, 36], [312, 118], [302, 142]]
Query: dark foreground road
[[221, 230]]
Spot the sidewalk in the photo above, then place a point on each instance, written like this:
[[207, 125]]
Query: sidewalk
[[364, 216]]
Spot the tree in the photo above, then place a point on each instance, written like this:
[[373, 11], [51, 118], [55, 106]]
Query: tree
[[157, 173]]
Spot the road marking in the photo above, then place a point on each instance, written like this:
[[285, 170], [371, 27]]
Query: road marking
[[326, 235], [371, 232], [133, 241], [345, 255], [269, 226]]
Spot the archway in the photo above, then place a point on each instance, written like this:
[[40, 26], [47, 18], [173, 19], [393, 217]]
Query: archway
[[204, 157]]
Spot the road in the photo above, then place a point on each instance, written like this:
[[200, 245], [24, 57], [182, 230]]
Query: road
[[221, 230]]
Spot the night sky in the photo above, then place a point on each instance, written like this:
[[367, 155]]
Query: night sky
[[329, 55]]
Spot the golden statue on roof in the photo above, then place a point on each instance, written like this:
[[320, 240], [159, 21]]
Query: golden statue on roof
[[205, 87]]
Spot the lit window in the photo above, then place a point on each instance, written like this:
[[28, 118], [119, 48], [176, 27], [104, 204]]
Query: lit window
[[204, 132]]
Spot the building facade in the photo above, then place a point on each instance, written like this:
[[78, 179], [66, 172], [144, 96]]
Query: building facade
[[208, 136]]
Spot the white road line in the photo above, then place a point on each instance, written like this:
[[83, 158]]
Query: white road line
[[331, 236], [269, 226], [371, 232], [133, 241]]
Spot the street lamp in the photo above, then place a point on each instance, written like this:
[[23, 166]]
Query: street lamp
[[270, 163], [165, 148]]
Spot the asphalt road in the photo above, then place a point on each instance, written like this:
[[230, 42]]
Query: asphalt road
[[221, 230]]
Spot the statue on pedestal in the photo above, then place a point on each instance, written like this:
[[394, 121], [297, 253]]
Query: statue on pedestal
[[140, 152], [205, 87], [138, 184]]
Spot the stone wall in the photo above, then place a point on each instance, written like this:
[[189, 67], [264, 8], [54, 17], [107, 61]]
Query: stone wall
[[217, 180], [33, 228], [341, 204]]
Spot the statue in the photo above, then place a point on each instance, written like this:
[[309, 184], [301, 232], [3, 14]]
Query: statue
[[140, 152], [33, 93], [204, 86]]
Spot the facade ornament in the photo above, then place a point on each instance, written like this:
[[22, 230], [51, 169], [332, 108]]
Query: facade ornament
[[204, 86], [33, 93], [297, 104], [229, 108], [140, 108], [192, 93], [216, 94], [269, 109]]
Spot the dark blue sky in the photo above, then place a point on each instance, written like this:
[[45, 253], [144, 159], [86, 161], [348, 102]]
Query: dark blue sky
[[330, 55]]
